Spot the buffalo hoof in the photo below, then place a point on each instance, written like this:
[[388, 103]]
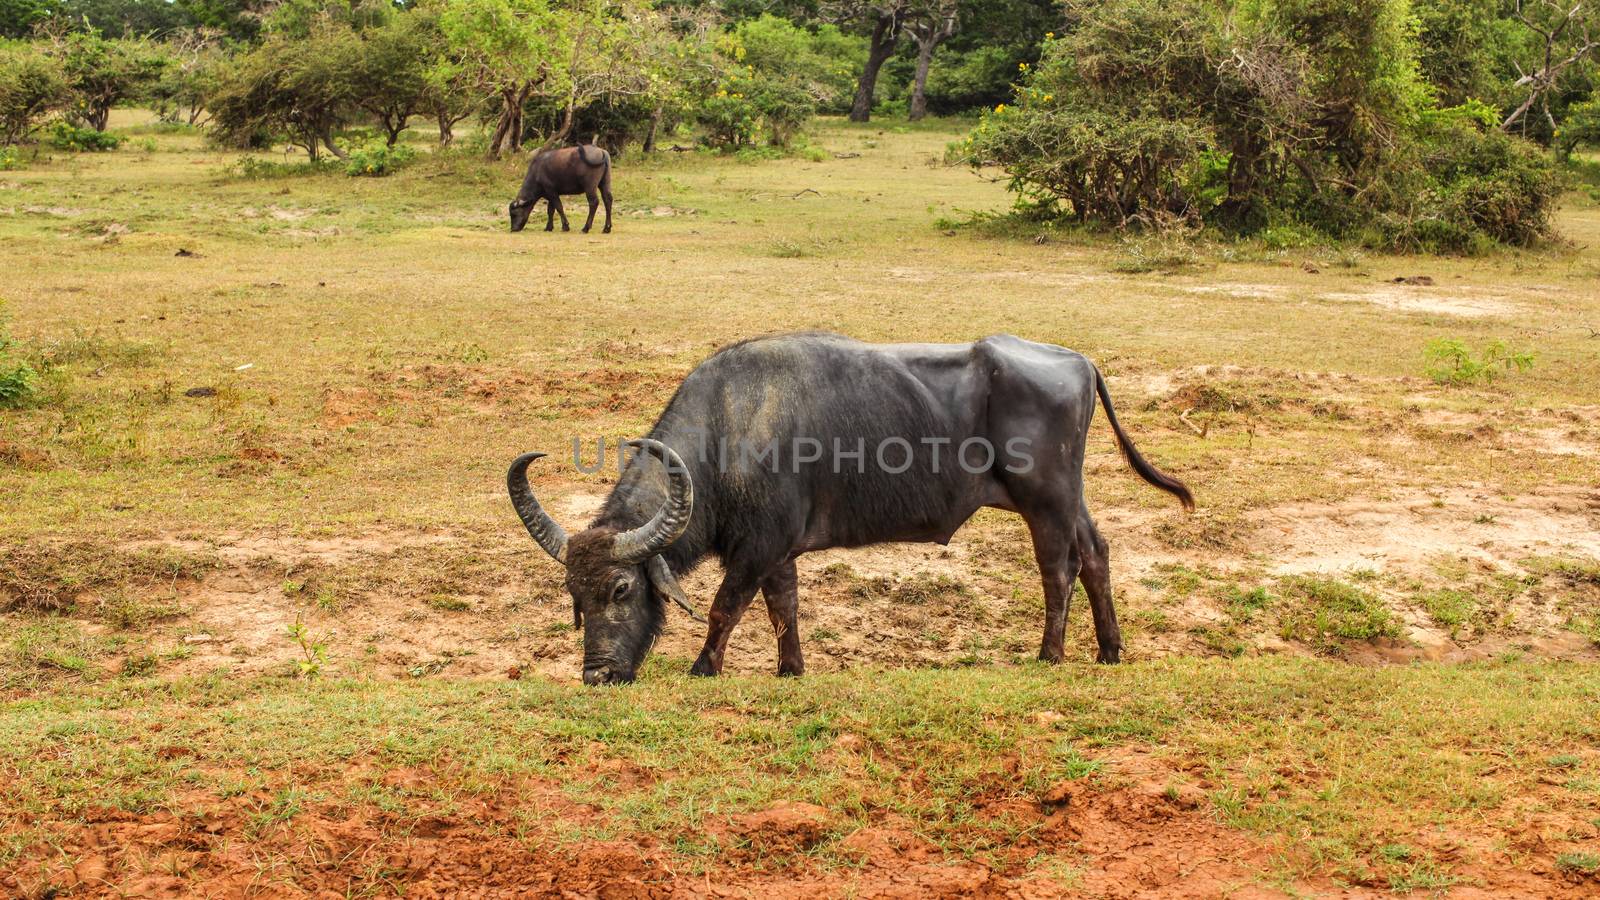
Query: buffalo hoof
[[549, 228], [1050, 656], [791, 672], [606, 230], [565, 228], [1109, 656], [703, 669]]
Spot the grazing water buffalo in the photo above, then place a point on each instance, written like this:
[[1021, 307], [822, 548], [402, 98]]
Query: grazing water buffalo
[[782, 445], [570, 170]]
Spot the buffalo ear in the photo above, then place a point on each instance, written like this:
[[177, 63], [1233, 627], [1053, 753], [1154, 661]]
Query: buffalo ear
[[518, 203], [667, 585]]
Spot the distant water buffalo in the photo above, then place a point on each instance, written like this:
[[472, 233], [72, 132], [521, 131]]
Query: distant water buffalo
[[782, 445], [554, 173]]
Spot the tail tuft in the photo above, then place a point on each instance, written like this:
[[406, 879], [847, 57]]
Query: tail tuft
[[1136, 460]]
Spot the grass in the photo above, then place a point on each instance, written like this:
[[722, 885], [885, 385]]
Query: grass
[[1375, 752], [349, 364]]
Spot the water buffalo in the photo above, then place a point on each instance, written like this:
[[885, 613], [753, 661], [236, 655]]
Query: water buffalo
[[570, 170], [781, 445]]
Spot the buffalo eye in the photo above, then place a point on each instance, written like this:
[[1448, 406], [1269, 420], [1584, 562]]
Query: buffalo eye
[[620, 591]]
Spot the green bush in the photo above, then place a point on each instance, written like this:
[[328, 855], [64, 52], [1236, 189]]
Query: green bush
[[10, 159], [17, 378], [1301, 120], [729, 118], [1451, 362], [66, 136], [376, 159], [32, 83], [254, 168]]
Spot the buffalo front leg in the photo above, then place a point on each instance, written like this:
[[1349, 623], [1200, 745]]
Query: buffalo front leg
[[594, 204], [1055, 547], [782, 592], [555, 204], [550, 214], [733, 598], [1096, 576]]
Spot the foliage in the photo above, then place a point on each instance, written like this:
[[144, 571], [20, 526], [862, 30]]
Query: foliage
[[16, 376], [1450, 361], [377, 159], [300, 88], [32, 84], [10, 159], [17, 17], [1306, 114], [66, 136], [254, 168], [189, 77], [102, 72], [313, 652], [821, 62], [1581, 128]]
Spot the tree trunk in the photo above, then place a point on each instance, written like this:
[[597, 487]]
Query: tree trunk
[[885, 34], [507, 136], [919, 82], [446, 127], [650, 135], [327, 138], [98, 117]]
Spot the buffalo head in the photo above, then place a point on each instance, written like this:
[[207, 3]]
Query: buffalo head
[[520, 209], [618, 581]]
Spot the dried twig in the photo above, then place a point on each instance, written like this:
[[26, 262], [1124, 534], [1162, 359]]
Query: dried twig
[[1201, 430]]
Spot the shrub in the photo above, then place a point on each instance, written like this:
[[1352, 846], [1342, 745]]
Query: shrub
[[66, 136], [10, 159], [729, 118], [377, 159], [254, 168], [16, 376], [32, 84], [1451, 362], [1305, 119]]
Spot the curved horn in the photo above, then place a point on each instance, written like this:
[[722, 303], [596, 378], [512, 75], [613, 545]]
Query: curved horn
[[551, 536], [665, 526]]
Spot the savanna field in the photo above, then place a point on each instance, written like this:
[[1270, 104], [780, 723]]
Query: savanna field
[[271, 628]]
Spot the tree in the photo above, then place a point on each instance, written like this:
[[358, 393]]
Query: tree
[[17, 17], [931, 24], [391, 76], [299, 87], [1565, 36], [1305, 113], [886, 19], [507, 49], [31, 85], [193, 60], [102, 72]]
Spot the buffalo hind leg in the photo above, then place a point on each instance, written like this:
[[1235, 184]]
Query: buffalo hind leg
[[782, 592], [555, 204], [1096, 576], [733, 598], [550, 213], [1056, 548], [605, 194], [594, 204]]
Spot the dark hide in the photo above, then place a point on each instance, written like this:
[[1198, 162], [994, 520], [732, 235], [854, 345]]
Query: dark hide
[[756, 514], [556, 173]]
